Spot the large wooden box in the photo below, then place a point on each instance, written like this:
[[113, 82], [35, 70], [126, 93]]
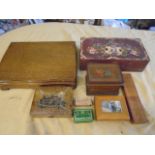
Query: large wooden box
[[103, 79], [130, 54], [33, 64]]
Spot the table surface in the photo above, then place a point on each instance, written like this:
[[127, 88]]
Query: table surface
[[15, 104]]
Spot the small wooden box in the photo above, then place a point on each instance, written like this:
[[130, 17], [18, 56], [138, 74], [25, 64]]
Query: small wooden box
[[111, 108], [103, 79], [52, 102], [130, 54]]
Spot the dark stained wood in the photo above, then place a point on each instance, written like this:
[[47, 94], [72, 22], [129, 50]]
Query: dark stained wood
[[135, 107], [103, 79]]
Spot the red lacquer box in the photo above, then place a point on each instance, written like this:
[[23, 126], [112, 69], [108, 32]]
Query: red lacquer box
[[130, 54]]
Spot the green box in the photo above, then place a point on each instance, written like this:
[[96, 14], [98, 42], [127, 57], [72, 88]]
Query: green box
[[83, 115]]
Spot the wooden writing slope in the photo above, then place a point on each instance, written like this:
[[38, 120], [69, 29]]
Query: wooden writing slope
[[135, 107], [32, 64]]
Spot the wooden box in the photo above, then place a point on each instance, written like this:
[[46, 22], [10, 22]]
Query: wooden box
[[52, 102], [130, 54], [103, 79], [33, 64], [111, 108]]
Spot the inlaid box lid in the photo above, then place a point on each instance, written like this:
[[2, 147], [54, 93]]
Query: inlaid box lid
[[129, 53], [104, 73], [112, 48]]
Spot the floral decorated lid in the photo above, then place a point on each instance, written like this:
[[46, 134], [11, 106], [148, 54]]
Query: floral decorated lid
[[104, 73], [112, 48]]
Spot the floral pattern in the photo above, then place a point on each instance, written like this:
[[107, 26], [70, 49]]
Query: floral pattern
[[112, 51], [112, 48]]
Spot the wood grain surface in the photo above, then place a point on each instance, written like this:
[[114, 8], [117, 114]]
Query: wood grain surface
[[33, 64], [136, 109], [117, 116], [98, 82]]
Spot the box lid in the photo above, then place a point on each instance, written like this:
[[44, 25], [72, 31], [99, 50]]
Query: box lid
[[99, 73], [112, 48]]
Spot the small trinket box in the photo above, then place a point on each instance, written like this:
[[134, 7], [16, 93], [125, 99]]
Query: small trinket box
[[111, 108], [52, 102], [83, 115], [103, 79]]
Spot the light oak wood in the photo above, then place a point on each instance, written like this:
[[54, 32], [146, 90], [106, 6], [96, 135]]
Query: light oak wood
[[32, 64], [117, 116]]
